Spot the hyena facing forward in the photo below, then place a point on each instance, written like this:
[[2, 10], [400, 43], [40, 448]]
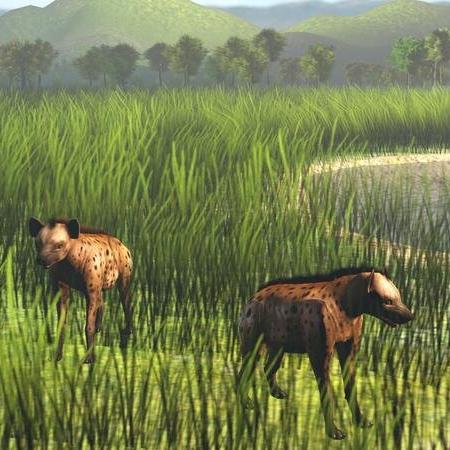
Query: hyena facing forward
[[90, 261]]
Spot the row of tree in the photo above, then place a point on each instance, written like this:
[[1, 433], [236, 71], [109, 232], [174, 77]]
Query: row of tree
[[22, 60], [412, 61], [423, 58], [238, 60]]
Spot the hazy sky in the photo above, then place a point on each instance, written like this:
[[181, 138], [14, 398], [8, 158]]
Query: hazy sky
[[10, 4]]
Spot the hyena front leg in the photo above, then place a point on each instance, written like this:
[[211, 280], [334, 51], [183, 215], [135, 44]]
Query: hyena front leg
[[346, 352], [62, 308], [125, 299], [94, 303]]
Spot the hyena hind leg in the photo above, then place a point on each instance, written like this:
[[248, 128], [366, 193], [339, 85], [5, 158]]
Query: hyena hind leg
[[125, 299], [251, 341]]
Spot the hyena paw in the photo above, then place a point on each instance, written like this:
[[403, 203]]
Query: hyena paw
[[90, 359], [278, 393], [363, 422], [336, 433], [248, 403]]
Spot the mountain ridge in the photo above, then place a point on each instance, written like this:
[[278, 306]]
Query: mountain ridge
[[75, 25], [381, 25], [285, 15]]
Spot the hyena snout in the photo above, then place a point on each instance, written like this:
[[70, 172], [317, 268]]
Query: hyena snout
[[399, 314]]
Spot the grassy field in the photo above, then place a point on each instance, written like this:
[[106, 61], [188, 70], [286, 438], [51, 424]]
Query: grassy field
[[203, 186]]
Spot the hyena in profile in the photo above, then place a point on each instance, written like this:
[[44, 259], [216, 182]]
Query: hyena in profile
[[90, 261], [318, 315]]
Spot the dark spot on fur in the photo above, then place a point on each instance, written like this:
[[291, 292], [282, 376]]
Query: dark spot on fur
[[249, 312], [95, 267], [294, 309]]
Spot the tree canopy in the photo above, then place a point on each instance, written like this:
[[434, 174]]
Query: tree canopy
[[158, 57], [317, 63], [186, 56]]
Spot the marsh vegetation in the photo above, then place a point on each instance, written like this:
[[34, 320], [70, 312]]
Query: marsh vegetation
[[203, 186]]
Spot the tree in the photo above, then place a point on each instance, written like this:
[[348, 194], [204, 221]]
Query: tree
[[88, 65], [235, 51], [122, 63], [17, 60], [186, 56], [94, 63], [103, 55], [355, 73], [290, 70], [217, 65], [7, 62], [44, 55], [317, 63], [437, 46], [253, 65], [407, 55], [272, 44], [158, 58]]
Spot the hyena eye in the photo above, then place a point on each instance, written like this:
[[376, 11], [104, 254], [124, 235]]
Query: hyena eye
[[60, 245], [388, 302]]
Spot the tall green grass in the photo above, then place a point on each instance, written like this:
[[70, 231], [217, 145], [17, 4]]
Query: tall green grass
[[203, 186]]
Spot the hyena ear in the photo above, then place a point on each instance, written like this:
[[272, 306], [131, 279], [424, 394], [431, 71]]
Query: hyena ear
[[73, 227], [34, 226], [370, 282]]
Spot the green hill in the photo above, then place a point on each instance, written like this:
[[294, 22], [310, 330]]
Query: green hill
[[75, 25], [382, 25]]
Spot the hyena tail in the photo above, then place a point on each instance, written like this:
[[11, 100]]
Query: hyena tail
[[250, 329]]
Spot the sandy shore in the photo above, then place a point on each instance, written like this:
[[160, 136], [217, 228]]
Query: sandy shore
[[385, 160], [392, 248]]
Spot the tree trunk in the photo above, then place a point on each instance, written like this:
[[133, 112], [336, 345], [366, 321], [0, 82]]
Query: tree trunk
[[268, 76], [160, 77], [408, 80], [435, 73], [23, 80]]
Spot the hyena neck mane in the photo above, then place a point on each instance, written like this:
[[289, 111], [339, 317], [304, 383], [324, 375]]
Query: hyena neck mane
[[323, 277], [83, 229]]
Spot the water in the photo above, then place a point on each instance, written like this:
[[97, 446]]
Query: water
[[406, 195]]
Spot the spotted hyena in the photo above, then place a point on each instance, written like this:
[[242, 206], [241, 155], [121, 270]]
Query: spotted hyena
[[316, 315], [88, 260]]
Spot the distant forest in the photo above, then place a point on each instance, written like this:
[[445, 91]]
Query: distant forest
[[239, 62]]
